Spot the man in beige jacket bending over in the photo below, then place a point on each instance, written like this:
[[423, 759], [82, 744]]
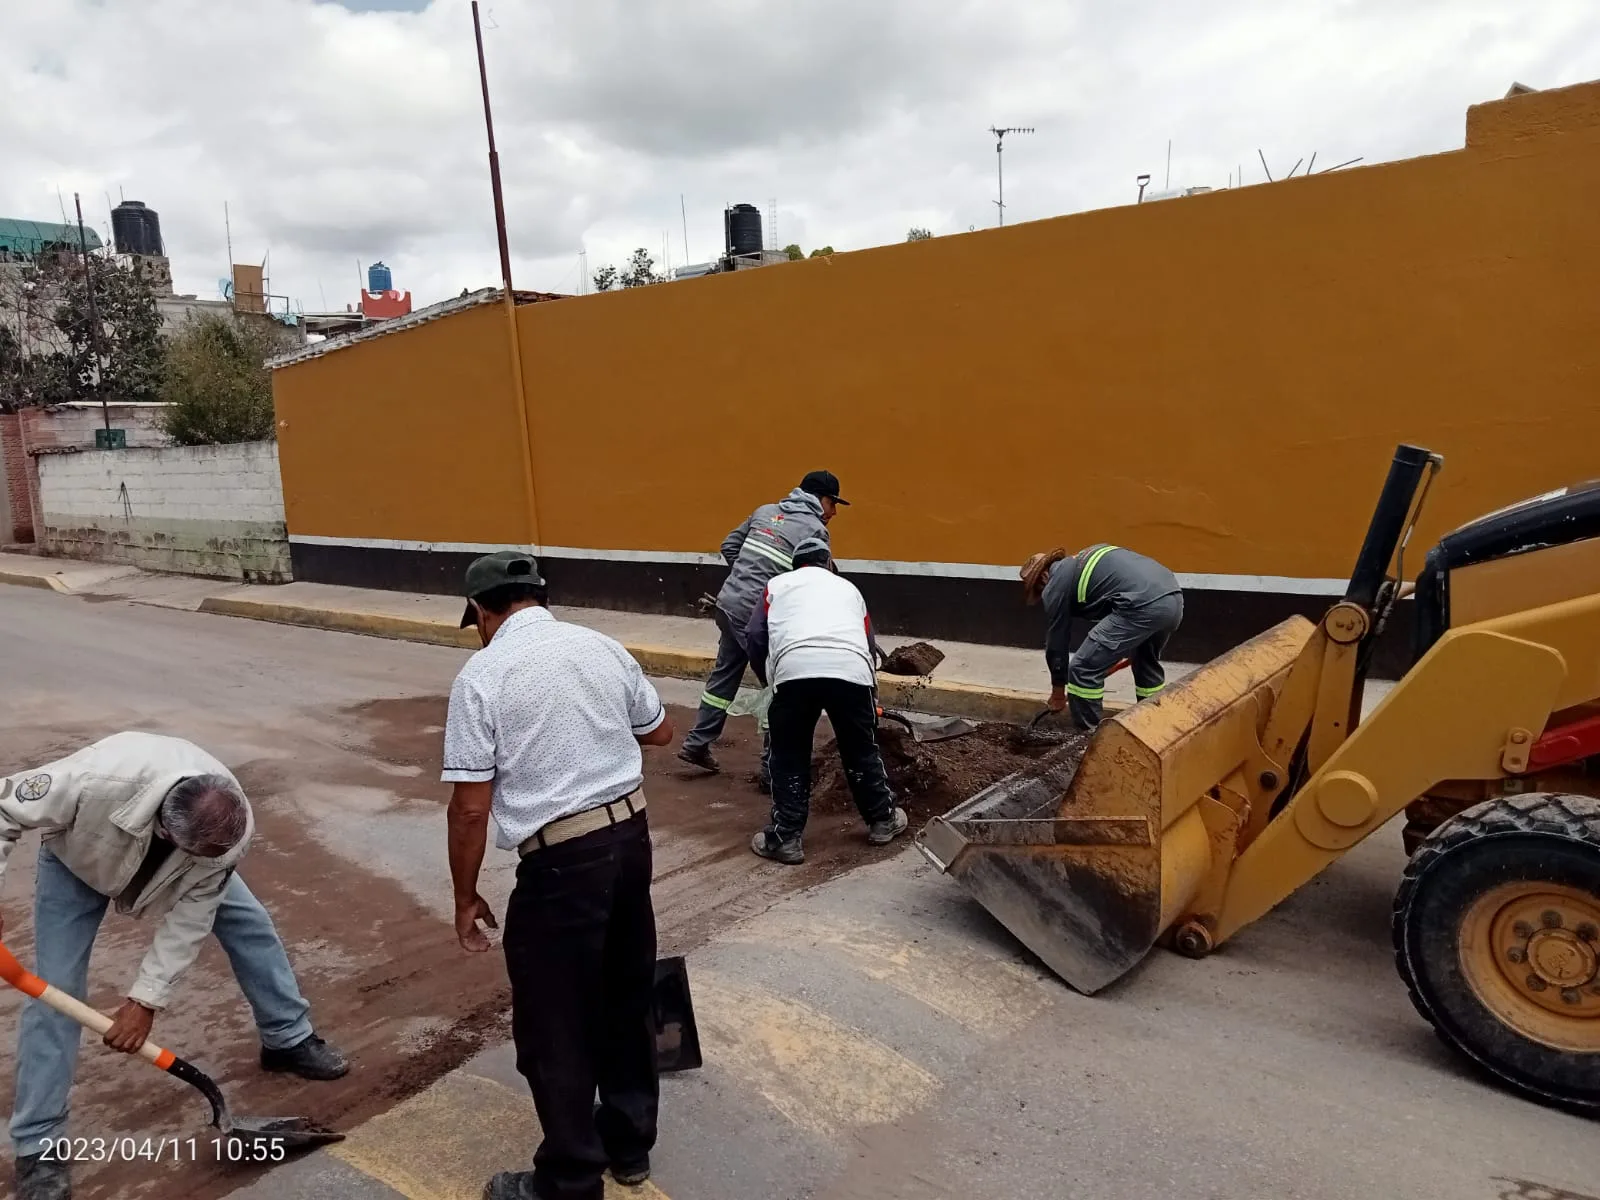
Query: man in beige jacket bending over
[[158, 826]]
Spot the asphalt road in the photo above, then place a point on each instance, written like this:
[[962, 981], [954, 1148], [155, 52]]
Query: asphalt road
[[878, 1035]]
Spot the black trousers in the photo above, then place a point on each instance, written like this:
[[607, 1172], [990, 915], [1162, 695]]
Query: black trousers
[[792, 721], [580, 945]]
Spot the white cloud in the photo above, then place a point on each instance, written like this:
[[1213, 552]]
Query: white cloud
[[339, 135]]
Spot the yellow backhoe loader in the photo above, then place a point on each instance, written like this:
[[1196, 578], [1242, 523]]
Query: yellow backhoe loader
[[1195, 812]]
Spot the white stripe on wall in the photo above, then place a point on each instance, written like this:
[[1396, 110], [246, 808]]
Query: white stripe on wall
[[1284, 584]]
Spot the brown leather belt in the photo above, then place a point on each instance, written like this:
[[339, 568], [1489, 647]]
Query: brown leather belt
[[589, 820]]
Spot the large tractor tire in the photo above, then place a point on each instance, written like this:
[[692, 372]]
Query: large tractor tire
[[1497, 936]]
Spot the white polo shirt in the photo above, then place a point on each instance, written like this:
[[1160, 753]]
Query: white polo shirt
[[548, 710]]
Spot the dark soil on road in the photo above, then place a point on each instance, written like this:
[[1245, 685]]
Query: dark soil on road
[[930, 778], [386, 978]]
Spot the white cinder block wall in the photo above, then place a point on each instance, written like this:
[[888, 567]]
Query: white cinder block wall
[[195, 510]]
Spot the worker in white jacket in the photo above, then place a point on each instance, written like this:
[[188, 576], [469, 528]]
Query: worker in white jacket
[[158, 826], [811, 637]]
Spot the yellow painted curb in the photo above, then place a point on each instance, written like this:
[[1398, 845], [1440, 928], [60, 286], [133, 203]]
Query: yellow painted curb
[[405, 629], [950, 699], [47, 582]]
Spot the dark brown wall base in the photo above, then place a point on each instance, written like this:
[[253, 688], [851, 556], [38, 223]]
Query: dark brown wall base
[[966, 610]]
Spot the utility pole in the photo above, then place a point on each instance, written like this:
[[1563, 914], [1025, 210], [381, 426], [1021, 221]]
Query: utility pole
[[999, 164], [94, 317], [517, 383]]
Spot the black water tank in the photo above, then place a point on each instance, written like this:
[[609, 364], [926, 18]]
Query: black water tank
[[135, 228], [742, 224]]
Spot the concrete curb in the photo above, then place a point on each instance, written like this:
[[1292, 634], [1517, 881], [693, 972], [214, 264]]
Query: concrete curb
[[47, 582], [339, 620], [945, 698]]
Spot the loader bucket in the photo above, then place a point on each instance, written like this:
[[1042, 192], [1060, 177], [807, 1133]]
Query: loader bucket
[[1089, 866]]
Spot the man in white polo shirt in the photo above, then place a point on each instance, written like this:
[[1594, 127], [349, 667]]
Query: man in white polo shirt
[[543, 733], [810, 635]]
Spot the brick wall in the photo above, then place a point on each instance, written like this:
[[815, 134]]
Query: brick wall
[[194, 510], [16, 505], [35, 431]]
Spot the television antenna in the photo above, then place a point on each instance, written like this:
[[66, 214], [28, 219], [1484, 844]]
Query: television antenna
[[999, 166]]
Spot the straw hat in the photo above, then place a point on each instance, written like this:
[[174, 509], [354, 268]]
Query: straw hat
[[1036, 570]]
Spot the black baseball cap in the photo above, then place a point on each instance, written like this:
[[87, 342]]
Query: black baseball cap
[[490, 571], [823, 483]]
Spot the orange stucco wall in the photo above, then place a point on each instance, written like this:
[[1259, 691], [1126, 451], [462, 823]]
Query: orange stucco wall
[[408, 437], [1218, 381]]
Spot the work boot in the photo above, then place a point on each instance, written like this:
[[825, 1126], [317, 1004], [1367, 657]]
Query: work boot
[[881, 833], [631, 1174], [511, 1185], [312, 1058], [767, 845], [39, 1178], [700, 756]]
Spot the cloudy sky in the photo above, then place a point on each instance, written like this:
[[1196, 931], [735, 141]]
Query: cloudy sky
[[343, 132]]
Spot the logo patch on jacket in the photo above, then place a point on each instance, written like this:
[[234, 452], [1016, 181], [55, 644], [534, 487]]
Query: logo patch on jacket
[[34, 787]]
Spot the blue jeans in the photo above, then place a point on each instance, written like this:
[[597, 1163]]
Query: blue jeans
[[66, 918]]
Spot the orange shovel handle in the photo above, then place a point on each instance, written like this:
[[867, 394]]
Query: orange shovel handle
[[29, 984]]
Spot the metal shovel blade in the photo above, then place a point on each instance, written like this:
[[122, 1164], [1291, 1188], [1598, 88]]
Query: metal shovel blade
[[677, 1037], [930, 731], [252, 1139], [260, 1138]]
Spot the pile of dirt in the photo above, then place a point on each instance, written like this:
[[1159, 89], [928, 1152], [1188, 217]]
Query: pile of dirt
[[915, 658], [930, 778]]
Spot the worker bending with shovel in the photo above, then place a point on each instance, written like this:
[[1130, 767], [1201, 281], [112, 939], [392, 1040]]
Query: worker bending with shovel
[[756, 551], [158, 826], [1135, 604], [810, 635]]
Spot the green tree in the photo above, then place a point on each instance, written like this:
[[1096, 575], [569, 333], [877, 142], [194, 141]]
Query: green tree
[[822, 252], [641, 270], [605, 279], [794, 252], [129, 336], [218, 389], [917, 234]]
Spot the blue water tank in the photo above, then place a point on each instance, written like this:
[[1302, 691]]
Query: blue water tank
[[379, 278]]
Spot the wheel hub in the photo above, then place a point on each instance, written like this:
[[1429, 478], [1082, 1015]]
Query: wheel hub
[[1560, 959], [1532, 953]]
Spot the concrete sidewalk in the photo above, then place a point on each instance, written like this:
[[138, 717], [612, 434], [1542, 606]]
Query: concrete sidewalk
[[1003, 683], [990, 682]]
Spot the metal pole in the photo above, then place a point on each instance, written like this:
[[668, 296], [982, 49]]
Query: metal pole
[[494, 158], [510, 296], [94, 315], [1000, 175]]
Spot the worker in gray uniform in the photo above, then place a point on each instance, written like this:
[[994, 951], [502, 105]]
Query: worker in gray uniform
[[762, 547], [1135, 604]]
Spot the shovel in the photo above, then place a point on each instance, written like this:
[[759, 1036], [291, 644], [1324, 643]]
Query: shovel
[[1034, 733], [929, 731], [251, 1139]]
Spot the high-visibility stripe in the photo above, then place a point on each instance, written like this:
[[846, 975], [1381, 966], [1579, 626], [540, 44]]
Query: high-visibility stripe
[[714, 701], [1083, 693], [1088, 569], [777, 556], [1146, 693]]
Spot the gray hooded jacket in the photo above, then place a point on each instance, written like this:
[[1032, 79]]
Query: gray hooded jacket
[[763, 547]]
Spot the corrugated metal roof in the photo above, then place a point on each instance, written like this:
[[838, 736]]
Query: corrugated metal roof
[[30, 237], [445, 308]]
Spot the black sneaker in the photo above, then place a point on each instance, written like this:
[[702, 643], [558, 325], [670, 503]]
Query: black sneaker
[[41, 1178], [312, 1058], [767, 845], [511, 1185], [631, 1174], [700, 756], [881, 833]]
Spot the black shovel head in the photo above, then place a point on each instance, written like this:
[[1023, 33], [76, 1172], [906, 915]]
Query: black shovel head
[[263, 1139], [677, 1038]]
